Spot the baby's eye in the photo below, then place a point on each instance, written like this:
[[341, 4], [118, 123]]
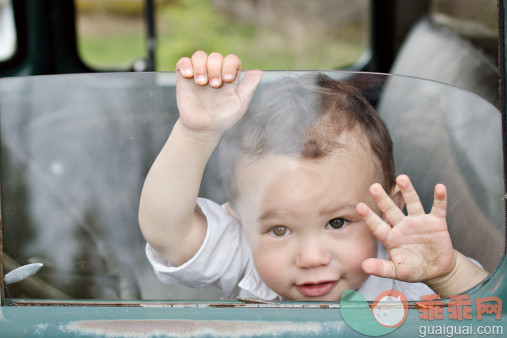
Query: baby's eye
[[337, 223], [279, 231]]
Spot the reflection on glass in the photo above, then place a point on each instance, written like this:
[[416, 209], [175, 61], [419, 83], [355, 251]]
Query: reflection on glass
[[76, 150]]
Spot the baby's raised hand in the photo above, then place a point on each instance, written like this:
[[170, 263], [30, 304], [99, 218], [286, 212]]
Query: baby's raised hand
[[210, 96], [419, 245]]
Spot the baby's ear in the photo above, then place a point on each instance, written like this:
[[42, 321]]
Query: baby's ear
[[231, 211], [397, 197]]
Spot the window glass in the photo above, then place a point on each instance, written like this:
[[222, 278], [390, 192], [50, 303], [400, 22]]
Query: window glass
[[475, 20], [464, 36], [76, 150], [267, 34], [7, 31], [483, 12], [110, 34], [278, 34]]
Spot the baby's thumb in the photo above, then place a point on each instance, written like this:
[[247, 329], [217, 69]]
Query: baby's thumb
[[379, 267], [247, 87]]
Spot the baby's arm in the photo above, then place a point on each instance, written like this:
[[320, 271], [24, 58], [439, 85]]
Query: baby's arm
[[419, 245], [168, 217]]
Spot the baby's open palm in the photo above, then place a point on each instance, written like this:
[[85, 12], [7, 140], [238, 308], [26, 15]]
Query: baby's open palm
[[419, 245]]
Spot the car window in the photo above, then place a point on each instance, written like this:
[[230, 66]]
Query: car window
[[76, 150], [476, 21], [110, 35], [265, 34], [482, 12]]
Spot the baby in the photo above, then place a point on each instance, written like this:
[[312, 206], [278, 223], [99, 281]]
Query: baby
[[314, 204]]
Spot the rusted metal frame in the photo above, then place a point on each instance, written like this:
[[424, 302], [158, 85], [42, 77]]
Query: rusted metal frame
[[285, 305]]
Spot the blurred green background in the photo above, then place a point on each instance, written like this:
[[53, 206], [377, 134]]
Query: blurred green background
[[281, 34], [266, 34]]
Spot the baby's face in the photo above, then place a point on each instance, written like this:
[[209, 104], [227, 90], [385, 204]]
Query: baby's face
[[307, 241]]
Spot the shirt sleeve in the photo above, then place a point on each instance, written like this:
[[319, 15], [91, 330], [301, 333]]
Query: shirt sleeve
[[221, 261]]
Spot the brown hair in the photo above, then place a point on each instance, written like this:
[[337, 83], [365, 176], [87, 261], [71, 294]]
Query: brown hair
[[302, 116]]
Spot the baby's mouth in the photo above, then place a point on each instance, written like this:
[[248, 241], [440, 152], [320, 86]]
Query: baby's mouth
[[316, 289]]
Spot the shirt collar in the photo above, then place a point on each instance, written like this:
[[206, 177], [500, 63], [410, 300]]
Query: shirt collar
[[253, 284]]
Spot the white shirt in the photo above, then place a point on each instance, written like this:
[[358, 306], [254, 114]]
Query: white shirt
[[225, 261]]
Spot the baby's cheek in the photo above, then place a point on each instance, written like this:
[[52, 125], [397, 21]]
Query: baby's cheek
[[271, 269], [266, 257], [369, 249], [365, 247]]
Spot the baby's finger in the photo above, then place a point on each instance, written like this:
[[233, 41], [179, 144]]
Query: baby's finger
[[392, 212], [439, 208], [199, 62], [230, 68], [379, 267], [184, 66], [412, 201], [247, 87], [377, 226], [214, 66]]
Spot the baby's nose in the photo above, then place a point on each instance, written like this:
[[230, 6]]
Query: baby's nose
[[311, 254]]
